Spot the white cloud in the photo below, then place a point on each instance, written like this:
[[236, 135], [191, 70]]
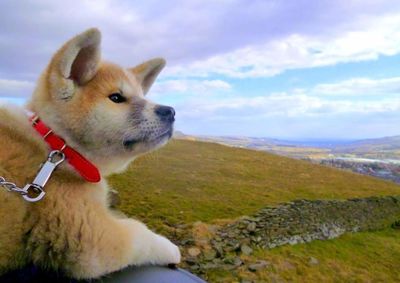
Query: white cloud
[[15, 88], [360, 87], [288, 115], [366, 40], [283, 105], [235, 38], [190, 86]]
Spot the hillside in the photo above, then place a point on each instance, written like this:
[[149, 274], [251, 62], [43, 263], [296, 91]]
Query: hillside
[[187, 181], [191, 181]]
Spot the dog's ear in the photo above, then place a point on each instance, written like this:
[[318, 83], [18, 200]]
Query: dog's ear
[[79, 58], [147, 72]]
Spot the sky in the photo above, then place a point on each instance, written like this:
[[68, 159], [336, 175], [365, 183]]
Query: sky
[[273, 68]]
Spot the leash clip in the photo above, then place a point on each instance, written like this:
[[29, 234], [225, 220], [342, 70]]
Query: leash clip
[[35, 191]]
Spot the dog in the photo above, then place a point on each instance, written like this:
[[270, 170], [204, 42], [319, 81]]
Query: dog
[[99, 112]]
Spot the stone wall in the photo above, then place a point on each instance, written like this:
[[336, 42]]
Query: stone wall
[[304, 221], [289, 223]]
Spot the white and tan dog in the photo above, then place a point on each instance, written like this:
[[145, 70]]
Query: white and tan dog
[[100, 110]]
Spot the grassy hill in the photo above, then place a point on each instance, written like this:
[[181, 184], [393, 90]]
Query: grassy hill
[[189, 181]]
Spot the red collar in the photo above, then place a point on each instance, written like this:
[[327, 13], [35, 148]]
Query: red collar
[[83, 166]]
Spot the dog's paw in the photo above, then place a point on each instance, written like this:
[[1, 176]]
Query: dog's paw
[[168, 253]]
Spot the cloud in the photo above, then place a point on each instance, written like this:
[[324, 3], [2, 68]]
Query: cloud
[[234, 38], [375, 37], [15, 88], [360, 87], [286, 115], [190, 86], [282, 105]]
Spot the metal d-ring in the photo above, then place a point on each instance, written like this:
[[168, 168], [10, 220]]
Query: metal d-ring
[[56, 153]]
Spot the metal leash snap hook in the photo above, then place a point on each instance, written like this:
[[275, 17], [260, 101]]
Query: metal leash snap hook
[[54, 159], [33, 193]]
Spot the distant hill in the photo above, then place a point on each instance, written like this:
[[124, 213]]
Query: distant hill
[[386, 144], [381, 148]]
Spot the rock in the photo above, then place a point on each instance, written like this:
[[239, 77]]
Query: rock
[[233, 234], [229, 260], [313, 261], [232, 261], [257, 239], [209, 255], [219, 248], [194, 251], [246, 250], [209, 265], [191, 261], [261, 264], [232, 246], [251, 227], [237, 262]]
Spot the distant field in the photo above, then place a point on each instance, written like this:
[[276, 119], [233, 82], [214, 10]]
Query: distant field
[[188, 181]]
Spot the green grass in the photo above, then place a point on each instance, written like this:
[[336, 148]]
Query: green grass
[[189, 181], [359, 257]]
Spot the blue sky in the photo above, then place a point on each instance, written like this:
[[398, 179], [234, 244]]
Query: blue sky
[[284, 69]]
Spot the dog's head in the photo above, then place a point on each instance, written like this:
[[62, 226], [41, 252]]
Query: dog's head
[[100, 108]]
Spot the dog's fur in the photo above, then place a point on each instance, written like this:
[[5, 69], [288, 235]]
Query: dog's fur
[[72, 229]]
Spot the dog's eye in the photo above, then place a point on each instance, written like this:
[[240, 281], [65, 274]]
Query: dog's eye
[[117, 98]]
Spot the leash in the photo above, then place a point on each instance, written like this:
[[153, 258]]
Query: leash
[[34, 191]]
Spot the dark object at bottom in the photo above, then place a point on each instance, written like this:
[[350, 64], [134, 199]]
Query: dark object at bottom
[[144, 274]]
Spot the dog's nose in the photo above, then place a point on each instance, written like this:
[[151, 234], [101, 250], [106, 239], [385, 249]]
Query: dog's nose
[[166, 113]]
